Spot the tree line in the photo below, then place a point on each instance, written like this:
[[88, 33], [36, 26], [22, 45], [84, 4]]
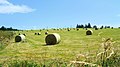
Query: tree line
[[90, 26], [3, 28]]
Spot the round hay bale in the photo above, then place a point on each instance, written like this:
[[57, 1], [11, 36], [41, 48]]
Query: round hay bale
[[19, 34], [68, 29], [77, 29], [89, 32], [19, 38], [46, 33], [52, 39], [39, 33], [96, 28], [40, 30], [35, 33], [86, 29], [57, 29]]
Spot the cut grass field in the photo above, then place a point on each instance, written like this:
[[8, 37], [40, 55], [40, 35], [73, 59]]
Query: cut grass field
[[72, 44]]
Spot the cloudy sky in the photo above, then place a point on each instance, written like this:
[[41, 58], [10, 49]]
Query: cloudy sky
[[35, 14]]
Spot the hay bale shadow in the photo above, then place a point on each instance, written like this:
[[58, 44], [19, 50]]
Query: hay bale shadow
[[47, 45]]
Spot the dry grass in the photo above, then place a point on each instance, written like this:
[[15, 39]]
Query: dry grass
[[73, 43]]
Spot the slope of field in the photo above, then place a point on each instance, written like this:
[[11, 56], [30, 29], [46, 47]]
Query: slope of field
[[72, 44]]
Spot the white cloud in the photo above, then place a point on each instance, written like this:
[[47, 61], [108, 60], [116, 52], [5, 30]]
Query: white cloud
[[7, 7]]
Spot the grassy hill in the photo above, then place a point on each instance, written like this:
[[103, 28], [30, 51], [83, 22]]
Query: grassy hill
[[73, 44]]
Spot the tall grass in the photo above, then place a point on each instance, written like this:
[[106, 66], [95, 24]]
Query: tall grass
[[5, 38], [33, 63], [109, 57], [19, 63]]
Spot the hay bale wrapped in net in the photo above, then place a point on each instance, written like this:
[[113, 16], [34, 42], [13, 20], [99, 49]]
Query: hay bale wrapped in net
[[89, 32], [52, 39], [19, 38]]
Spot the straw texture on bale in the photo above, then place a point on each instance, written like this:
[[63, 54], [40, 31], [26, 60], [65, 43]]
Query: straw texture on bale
[[89, 32], [19, 38], [52, 39]]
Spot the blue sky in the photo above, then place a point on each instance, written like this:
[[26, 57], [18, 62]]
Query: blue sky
[[35, 14]]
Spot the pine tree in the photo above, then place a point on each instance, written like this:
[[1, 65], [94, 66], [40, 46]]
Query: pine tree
[[89, 25]]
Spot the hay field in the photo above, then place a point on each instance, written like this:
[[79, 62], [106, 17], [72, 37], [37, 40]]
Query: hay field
[[72, 44]]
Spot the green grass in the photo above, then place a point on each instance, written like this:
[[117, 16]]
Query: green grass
[[5, 37], [72, 43]]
